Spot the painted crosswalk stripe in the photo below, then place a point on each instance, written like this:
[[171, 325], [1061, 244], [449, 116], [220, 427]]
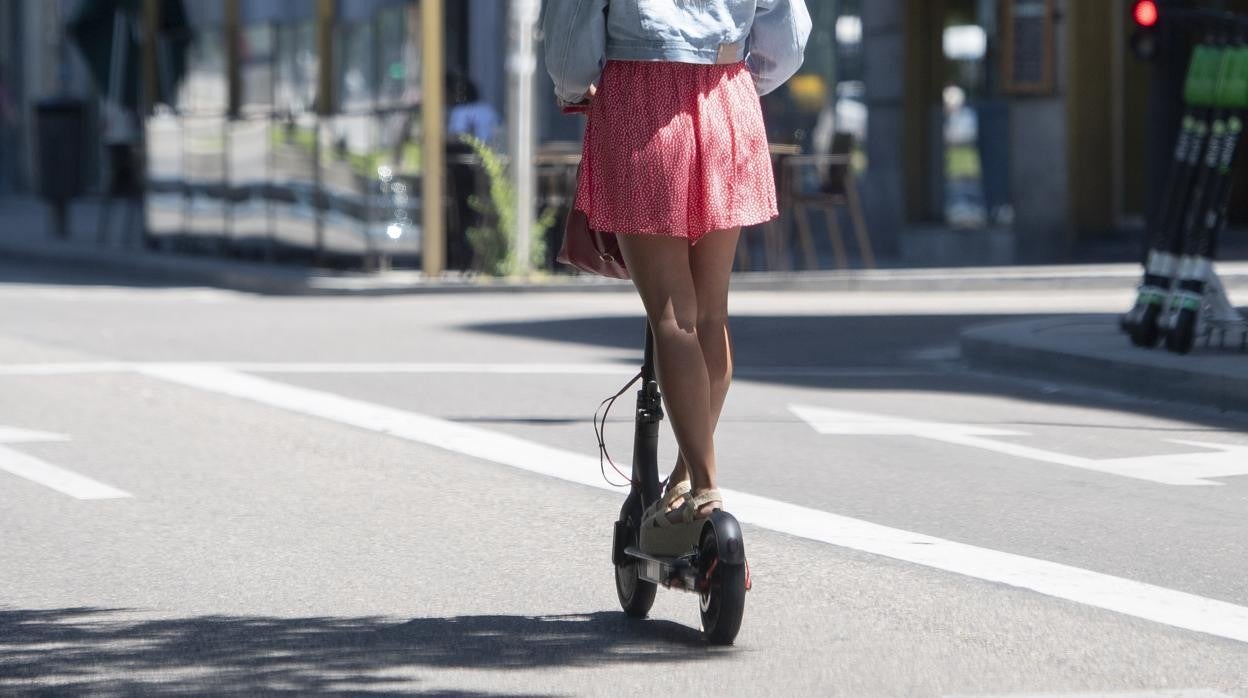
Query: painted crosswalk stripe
[[1129, 597], [29, 467]]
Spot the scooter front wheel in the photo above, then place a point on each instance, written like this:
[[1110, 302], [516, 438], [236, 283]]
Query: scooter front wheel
[[1141, 325], [1182, 336], [636, 594], [721, 599]]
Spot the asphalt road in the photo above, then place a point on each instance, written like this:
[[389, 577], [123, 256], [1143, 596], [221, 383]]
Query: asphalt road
[[400, 495]]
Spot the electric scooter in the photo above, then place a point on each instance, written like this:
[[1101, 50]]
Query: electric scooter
[[715, 568], [1198, 302]]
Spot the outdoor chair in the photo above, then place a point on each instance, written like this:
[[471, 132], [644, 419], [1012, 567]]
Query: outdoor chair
[[836, 187]]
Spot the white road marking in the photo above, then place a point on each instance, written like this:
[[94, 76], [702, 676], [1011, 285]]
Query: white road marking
[[1187, 693], [596, 369], [1126, 596], [65, 369], [46, 474], [1223, 460]]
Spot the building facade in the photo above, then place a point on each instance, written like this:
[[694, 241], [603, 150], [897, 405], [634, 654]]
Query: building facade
[[1016, 130], [982, 131]]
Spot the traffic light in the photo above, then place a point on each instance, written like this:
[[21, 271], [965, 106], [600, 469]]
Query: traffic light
[[1145, 43]]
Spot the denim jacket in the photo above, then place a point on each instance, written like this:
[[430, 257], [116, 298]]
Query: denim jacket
[[581, 35]]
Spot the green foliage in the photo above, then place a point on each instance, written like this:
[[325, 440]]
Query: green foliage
[[494, 241]]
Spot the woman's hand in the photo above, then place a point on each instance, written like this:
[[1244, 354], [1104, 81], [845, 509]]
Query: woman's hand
[[581, 106]]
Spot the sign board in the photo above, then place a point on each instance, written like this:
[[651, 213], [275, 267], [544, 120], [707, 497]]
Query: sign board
[[1027, 57]]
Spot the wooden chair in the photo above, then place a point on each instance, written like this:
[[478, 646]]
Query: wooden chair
[[837, 187], [775, 249]]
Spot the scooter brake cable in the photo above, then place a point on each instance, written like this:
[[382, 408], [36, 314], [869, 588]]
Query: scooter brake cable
[[601, 433]]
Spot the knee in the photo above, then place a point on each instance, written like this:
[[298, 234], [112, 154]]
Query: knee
[[670, 324], [712, 322]]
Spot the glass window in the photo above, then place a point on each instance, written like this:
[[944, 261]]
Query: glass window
[[204, 91], [297, 64], [826, 97], [355, 67], [256, 48], [398, 46]]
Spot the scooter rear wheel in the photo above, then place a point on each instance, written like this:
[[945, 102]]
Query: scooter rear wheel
[[636, 594], [722, 602]]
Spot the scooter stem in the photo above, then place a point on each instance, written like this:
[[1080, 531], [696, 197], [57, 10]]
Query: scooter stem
[[646, 437]]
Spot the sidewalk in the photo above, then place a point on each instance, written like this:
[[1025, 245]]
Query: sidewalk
[[24, 236], [1092, 350]]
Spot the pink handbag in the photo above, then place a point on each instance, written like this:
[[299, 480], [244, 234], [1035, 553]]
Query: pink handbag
[[586, 249], [589, 250]]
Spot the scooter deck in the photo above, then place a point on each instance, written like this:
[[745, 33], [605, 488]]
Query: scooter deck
[[666, 570]]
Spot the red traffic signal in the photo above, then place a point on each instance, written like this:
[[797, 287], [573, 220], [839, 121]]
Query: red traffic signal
[[1146, 13], [1144, 42]]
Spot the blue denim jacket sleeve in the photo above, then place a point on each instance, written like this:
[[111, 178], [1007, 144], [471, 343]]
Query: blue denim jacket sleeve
[[575, 36], [777, 42]]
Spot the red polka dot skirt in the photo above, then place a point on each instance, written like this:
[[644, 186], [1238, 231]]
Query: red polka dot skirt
[[675, 149]]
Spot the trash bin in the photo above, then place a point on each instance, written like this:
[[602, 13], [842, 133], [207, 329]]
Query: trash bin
[[61, 124]]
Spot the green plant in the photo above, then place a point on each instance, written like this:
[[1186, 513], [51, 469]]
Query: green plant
[[494, 241]]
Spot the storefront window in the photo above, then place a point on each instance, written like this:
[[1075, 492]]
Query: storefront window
[[205, 88], [298, 65], [826, 96], [355, 67], [976, 126], [256, 58], [275, 177], [398, 55]]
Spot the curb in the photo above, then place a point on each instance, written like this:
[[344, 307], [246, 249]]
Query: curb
[[280, 280], [1033, 348], [277, 279]]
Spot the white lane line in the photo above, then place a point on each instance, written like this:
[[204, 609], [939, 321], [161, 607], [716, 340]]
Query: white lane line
[[1183, 469], [65, 369], [1126, 596], [605, 369], [1182, 693], [46, 474]]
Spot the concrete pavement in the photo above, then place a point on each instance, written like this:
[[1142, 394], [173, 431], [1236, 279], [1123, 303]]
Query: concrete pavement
[[272, 545], [24, 236], [1091, 349]]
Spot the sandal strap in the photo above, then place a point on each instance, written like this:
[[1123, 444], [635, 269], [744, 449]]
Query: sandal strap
[[703, 498], [680, 489], [689, 508]]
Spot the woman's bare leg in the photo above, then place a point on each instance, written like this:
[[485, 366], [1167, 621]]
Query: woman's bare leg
[[663, 274], [710, 262]]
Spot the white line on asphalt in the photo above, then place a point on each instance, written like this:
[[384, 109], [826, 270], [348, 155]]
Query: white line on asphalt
[[65, 369], [1188, 693], [1188, 469], [46, 474], [72, 368], [1126, 596]]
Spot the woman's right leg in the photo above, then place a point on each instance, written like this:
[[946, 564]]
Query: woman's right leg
[[659, 266]]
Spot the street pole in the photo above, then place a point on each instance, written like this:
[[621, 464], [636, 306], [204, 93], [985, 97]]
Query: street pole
[[432, 113], [521, 65]]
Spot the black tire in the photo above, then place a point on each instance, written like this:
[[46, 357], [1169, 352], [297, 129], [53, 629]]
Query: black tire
[[1142, 326], [1182, 336], [636, 594], [722, 605]]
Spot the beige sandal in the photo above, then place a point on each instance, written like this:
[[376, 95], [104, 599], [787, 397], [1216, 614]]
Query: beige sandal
[[662, 536], [664, 504]]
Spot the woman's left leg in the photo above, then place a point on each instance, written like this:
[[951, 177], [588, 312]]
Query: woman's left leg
[[661, 271], [710, 262]]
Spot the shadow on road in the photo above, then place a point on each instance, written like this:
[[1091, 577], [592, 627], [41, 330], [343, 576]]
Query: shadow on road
[[916, 353], [108, 651], [825, 341]]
